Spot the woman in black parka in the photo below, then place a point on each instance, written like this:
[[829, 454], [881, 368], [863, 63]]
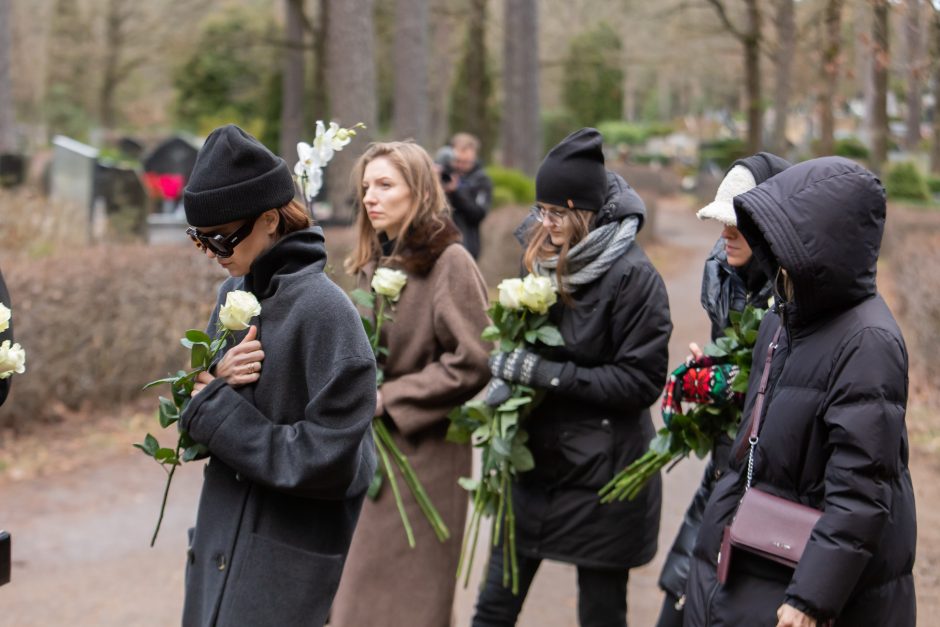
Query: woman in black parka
[[287, 409], [731, 281], [832, 435], [594, 419]]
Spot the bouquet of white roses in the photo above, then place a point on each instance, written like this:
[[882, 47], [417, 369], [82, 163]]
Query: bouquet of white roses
[[12, 358], [235, 315], [520, 319], [387, 285]]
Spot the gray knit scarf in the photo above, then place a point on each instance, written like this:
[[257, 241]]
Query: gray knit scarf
[[592, 256]]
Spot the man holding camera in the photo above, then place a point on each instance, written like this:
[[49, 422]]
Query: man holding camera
[[469, 189]]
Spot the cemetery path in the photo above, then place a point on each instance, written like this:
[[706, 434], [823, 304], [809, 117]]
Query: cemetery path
[[82, 516]]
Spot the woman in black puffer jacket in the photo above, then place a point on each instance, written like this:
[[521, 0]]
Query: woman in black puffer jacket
[[731, 281], [832, 435], [594, 419]]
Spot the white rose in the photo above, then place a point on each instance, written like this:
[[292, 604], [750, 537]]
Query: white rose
[[4, 317], [12, 359], [389, 282], [239, 308], [537, 294], [510, 293]]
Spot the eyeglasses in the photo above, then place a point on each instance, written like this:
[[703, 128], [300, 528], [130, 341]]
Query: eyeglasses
[[544, 214], [221, 245]]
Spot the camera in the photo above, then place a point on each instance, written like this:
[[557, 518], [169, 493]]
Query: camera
[[443, 159], [446, 176]]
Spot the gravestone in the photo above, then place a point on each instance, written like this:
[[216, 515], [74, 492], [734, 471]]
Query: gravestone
[[12, 170], [73, 175]]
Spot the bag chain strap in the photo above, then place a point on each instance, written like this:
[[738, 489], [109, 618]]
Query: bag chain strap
[[759, 407]]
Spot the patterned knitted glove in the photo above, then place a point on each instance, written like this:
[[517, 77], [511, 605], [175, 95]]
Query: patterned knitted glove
[[526, 367], [497, 392]]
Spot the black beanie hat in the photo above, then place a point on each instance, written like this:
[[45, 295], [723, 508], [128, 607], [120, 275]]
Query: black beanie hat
[[235, 177], [763, 165], [573, 174]]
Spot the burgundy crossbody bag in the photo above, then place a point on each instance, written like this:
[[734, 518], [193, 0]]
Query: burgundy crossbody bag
[[766, 525]]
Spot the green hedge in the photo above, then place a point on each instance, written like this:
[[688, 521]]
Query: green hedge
[[851, 148], [620, 132], [933, 184], [722, 152], [904, 181], [511, 186]]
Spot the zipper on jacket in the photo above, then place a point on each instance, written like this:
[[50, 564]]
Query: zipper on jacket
[[708, 603]]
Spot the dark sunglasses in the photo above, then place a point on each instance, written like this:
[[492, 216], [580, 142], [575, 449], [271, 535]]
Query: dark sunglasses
[[221, 245]]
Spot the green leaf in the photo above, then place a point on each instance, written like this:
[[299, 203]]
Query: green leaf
[[521, 458], [363, 298], [550, 336], [514, 403], [501, 446], [481, 434], [490, 333], [168, 412], [368, 326], [457, 434], [531, 336], [166, 456], [468, 484], [152, 384], [196, 451], [712, 350], [506, 345], [150, 446], [199, 356], [375, 486], [197, 336]]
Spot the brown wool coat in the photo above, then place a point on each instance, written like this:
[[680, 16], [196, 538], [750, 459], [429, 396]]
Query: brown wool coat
[[436, 361]]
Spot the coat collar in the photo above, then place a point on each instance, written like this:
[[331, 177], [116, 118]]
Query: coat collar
[[288, 256]]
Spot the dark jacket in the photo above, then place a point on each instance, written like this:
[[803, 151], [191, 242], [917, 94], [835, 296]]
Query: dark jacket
[[6, 335], [724, 289], [292, 454], [470, 203], [833, 434], [597, 420]]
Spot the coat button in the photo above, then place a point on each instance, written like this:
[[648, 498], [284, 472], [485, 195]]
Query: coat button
[[605, 422], [220, 561], [238, 476]]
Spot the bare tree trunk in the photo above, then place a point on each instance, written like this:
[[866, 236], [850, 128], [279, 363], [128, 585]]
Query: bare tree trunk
[[750, 39], [113, 44], [469, 100], [7, 114], [351, 77], [786, 48], [914, 49], [521, 135], [321, 98], [292, 81], [410, 116], [829, 74], [935, 53], [880, 63]]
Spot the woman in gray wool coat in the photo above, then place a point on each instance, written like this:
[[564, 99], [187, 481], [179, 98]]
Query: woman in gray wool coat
[[286, 412]]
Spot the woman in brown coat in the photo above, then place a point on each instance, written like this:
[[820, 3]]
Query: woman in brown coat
[[436, 361]]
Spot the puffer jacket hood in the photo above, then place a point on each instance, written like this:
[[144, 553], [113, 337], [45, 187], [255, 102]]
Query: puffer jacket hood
[[828, 237]]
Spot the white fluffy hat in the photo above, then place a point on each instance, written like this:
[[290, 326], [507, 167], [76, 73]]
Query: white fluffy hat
[[738, 180]]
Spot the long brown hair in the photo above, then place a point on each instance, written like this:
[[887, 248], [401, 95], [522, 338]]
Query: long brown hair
[[540, 245], [428, 211]]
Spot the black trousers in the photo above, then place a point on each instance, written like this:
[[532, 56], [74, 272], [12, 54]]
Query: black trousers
[[602, 595]]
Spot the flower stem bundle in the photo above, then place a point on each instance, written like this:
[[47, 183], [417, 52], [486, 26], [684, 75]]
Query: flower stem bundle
[[520, 318], [709, 416], [387, 285]]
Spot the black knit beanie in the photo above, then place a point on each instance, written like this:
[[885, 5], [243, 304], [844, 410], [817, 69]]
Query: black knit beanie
[[763, 165], [235, 177], [572, 174]]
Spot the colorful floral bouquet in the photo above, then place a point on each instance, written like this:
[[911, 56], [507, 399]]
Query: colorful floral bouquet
[[235, 315], [387, 285], [520, 319], [12, 357], [702, 402]]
